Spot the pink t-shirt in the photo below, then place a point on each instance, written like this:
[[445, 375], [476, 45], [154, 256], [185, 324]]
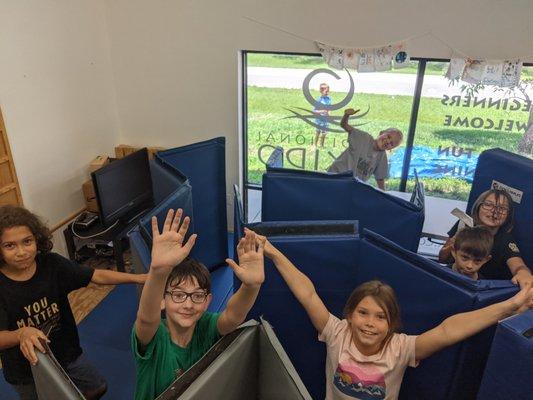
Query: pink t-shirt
[[351, 375]]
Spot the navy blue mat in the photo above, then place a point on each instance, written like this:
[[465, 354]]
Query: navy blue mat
[[330, 264], [510, 366], [291, 195], [204, 166], [428, 293], [105, 338]]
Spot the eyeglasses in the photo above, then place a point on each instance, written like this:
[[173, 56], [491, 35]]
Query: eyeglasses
[[492, 206], [180, 297]]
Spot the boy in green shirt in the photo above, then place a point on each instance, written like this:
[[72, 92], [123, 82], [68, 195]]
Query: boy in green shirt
[[164, 349]]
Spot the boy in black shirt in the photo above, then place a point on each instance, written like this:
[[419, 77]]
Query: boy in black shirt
[[34, 284], [471, 250]]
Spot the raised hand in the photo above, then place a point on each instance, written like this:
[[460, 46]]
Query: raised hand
[[168, 249], [29, 340], [250, 270], [523, 278], [269, 250]]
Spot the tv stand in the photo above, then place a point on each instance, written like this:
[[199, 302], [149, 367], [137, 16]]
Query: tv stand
[[117, 235]]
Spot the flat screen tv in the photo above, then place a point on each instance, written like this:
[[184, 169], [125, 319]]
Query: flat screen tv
[[123, 188]]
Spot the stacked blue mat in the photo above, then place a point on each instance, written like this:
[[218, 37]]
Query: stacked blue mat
[[204, 165], [105, 338], [510, 364], [294, 195], [428, 293]]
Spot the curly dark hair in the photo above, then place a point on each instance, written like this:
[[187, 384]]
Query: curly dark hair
[[11, 216]]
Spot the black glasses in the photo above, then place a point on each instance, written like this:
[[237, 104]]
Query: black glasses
[[178, 296], [492, 206]]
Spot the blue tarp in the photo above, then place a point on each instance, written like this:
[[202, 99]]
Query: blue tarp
[[435, 163]]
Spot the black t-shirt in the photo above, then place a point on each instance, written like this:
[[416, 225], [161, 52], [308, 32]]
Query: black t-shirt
[[42, 302], [503, 249]]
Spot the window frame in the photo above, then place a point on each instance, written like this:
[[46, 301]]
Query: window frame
[[422, 62]]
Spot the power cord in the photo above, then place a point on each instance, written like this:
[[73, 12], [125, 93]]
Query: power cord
[[91, 236]]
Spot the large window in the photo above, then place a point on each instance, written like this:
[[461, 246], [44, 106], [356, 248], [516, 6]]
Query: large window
[[445, 126], [454, 125]]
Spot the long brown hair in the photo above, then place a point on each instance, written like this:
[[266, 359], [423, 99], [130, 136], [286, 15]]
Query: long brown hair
[[384, 295], [508, 224], [11, 216]]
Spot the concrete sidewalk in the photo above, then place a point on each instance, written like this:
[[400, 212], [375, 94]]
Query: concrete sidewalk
[[371, 82]]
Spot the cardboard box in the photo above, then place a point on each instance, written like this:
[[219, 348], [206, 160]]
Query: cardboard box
[[153, 150], [98, 163], [90, 196], [122, 150]]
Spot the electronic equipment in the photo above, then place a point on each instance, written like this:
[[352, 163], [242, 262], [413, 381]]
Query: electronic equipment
[[85, 221], [123, 188]]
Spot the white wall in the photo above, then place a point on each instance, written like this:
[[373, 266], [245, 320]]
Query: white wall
[[174, 67], [57, 98], [175, 62]]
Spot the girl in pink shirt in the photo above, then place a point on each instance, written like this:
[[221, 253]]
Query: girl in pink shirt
[[366, 356]]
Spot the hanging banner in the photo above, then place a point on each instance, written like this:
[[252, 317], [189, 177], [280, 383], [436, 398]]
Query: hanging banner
[[365, 59], [488, 72]]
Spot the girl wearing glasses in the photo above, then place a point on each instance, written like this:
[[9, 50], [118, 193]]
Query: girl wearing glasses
[[494, 209]]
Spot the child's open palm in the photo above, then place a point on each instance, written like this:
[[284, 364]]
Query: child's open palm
[[250, 270], [168, 249], [268, 248]]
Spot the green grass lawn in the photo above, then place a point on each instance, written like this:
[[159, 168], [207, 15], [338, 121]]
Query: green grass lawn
[[268, 125]]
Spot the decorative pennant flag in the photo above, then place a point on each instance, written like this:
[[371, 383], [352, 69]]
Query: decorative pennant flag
[[366, 61], [351, 59], [333, 56], [474, 71], [455, 68], [325, 51], [400, 56], [383, 58], [337, 58], [493, 72], [511, 71]]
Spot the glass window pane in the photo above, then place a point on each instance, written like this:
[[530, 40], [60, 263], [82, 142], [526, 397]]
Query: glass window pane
[[282, 91], [454, 126]]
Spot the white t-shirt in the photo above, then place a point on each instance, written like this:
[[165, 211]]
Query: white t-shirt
[[352, 375], [361, 158]]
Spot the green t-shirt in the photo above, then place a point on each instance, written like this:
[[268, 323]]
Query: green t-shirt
[[163, 361]]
